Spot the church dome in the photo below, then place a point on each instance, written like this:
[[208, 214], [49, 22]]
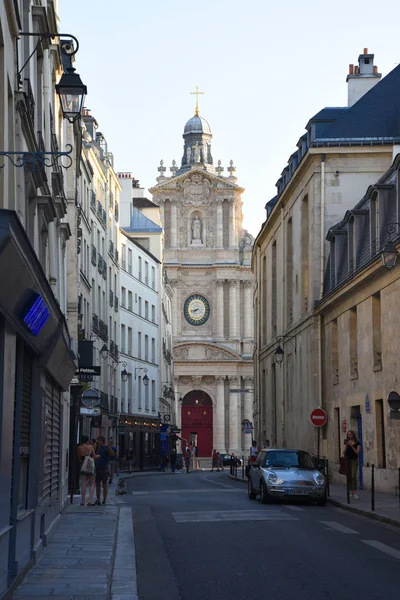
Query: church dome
[[197, 125]]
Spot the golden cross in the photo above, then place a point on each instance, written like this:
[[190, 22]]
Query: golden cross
[[196, 112]]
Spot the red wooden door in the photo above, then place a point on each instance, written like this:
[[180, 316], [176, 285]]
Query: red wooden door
[[198, 419]]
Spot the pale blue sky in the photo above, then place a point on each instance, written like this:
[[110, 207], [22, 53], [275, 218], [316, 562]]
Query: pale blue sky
[[265, 67]]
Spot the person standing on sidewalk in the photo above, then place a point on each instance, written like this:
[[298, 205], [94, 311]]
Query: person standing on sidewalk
[[112, 461], [129, 457], [104, 452], [351, 452], [84, 450], [188, 455]]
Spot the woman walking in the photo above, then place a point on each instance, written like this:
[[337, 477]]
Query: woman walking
[[88, 470], [351, 452]]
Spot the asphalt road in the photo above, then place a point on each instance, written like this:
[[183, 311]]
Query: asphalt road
[[199, 537]]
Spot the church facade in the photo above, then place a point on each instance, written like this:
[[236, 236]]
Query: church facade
[[207, 256]]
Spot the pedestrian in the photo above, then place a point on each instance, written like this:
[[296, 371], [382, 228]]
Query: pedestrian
[[267, 444], [94, 444], [215, 464], [351, 451], [188, 454], [86, 456], [220, 462], [129, 457], [104, 451], [173, 460], [112, 461], [253, 452]]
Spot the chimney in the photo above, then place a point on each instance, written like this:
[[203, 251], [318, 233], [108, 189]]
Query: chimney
[[362, 78]]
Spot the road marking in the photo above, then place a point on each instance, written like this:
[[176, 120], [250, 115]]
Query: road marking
[[338, 527], [231, 515], [295, 508], [383, 548], [195, 491]]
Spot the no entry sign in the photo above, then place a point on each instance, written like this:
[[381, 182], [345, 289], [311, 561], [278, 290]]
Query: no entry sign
[[318, 417]]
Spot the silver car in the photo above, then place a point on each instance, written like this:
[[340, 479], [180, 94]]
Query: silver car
[[282, 473]]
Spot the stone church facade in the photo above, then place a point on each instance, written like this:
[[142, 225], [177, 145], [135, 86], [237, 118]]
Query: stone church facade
[[207, 256]]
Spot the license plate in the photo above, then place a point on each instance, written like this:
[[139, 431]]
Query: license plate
[[298, 492]]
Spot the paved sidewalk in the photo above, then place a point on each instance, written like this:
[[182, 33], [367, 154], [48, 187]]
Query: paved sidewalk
[[387, 506], [90, 556]]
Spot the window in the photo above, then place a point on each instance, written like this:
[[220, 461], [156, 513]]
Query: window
[[129, 260], [146, 272], [153, 350], [153, 395], [139, 393], [153, 313], [353, 343], [130, 303], [146, 310], [140, 268], [123, 297], [380, 434], [146, 347], [123, 256], [153, 278], [130, 341], [335, 351], [140, 306], [139, 338], [377, 331], [122, 338]]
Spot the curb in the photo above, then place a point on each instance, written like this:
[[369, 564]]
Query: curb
[[364, 513], [238, 479]]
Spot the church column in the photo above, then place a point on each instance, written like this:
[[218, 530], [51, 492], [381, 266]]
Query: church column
[[219, 416], [220, 221], [173, 226], [174, 307], [232, 308], [234, 416], [220, 309], [248, 313], [232, 232]]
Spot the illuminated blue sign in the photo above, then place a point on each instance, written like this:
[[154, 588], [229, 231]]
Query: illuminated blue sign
[[37, 315]]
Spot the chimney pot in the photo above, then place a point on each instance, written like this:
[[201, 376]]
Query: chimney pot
[[357, 70], [375, 69], [365, 50], [351, 69]]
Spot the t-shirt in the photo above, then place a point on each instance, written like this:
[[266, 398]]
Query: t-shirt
[[102, 462], [350, 453]]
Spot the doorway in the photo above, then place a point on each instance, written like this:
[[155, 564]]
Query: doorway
[[197, 421]]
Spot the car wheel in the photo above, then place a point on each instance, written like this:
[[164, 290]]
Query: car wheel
[[264, 496], [250, 492]]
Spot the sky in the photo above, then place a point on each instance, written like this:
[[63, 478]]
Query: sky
[[265, 68]]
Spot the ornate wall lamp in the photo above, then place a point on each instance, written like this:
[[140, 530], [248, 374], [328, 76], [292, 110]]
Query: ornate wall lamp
[[279, 353], [389, 251], [145, 379], [71, 92]]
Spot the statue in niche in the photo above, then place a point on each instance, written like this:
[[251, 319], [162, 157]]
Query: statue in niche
[[197, 152], [188, 154], [196, 230]]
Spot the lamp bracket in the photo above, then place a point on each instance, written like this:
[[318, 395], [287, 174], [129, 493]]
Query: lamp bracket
[[282, 339], [138, 369], [37, 161]]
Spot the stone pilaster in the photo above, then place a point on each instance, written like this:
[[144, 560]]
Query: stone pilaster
[[234, 440], [233, 308], [232, 232], [248, 313], [220, 234], [173, 225], [219, 329], [219, 416]]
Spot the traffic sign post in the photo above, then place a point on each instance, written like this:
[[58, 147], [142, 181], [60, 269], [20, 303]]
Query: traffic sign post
[[318, 419]]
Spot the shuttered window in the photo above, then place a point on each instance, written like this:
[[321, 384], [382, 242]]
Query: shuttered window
[[52, 441]]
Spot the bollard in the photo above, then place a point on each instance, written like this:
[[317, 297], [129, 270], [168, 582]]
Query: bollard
[[348, 480], [372, 487], [242, 466], [328, 490]]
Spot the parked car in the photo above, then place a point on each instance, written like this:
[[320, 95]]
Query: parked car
[[281, 473], [227, 460]]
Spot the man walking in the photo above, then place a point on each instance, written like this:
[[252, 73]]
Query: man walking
[[112, 461], [103, 452]]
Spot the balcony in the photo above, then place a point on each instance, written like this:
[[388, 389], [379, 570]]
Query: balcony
[[116, 305], [103, 330], [29, 101], [100, 264], [103, 218], [94, 256], [104, 273], [111, 298], [93, 201], [99, 210], [116, 212], [111, 249], [95, 323]]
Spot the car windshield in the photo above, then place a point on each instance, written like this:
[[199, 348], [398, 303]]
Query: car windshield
[[289, 459]]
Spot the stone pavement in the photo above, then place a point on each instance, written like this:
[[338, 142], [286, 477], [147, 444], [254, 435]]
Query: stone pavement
[[90, 557], [387, 506]]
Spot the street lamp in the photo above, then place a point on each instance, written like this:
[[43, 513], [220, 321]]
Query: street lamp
[[279, 352], [124, 373], [104, 352], [389, 255], [145, 379], [279, 355], [71, 92]]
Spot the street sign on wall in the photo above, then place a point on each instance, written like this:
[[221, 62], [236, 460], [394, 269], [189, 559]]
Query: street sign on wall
[[318, 417]]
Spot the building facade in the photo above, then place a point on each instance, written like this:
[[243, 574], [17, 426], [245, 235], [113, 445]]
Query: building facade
[[360, 331], [207, 256], [341, 154], [37, 350]]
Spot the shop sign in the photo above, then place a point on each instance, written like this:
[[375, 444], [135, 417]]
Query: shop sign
[[36, 315]]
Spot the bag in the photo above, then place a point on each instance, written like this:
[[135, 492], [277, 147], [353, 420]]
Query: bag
[[87, 467], [343, 466]]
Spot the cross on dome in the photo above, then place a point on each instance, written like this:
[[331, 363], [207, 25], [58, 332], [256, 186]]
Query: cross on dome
[[197, 93]]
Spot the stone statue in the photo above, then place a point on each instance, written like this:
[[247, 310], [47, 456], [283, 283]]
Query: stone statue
[[196, 229], [188, 153], [197, 152]]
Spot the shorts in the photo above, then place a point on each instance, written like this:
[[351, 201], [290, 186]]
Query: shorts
[[101, 476]]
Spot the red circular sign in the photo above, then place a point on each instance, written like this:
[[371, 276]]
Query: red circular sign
[[318, 417]]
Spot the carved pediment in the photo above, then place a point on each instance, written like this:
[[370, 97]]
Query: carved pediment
[[204, 353], [197, 178]]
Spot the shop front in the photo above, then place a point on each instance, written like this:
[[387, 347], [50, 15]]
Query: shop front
[[142, 435]]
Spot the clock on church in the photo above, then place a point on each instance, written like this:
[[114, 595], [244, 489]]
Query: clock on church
[[196, 309]]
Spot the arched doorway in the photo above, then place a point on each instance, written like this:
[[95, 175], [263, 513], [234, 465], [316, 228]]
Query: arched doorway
[[197, 421]]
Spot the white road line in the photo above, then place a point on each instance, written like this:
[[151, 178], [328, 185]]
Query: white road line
[[338, 527], [194, 491], [295, 508], [230, 515], [383, 548]]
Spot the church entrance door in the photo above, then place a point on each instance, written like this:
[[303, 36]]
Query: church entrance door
[[197, 422]]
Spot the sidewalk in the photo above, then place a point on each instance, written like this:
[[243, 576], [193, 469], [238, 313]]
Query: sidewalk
[[91, 556], [387, 506]]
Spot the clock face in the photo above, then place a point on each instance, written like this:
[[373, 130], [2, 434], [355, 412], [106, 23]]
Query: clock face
[[196, 309]]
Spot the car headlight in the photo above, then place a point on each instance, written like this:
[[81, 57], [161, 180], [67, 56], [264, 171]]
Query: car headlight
[[319, 478], [272, 477]]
